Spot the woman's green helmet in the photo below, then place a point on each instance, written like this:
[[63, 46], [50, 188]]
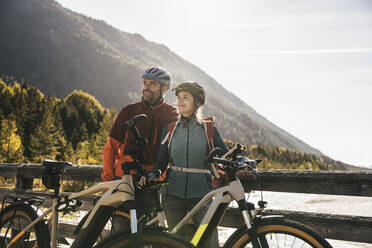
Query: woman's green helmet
[[194, 89]]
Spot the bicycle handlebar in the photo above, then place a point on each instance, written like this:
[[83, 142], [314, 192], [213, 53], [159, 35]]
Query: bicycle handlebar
[[233, 163], [141, 143], [152, 184], [237, 163]]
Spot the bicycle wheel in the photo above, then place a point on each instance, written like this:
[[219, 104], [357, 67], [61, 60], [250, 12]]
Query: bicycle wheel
[[14, 218], [279, 233], [148, 238]]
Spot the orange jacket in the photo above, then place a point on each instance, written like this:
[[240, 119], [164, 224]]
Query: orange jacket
[[119, 140]]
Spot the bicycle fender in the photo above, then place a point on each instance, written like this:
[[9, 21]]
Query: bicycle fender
[[37, 210], [265, 217], [156, 228]]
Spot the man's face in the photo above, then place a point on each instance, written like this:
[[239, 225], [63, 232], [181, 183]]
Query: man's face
[[151, 91]]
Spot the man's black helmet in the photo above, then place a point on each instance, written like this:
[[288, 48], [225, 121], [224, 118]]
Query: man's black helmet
[[194, 89], [158, 74]]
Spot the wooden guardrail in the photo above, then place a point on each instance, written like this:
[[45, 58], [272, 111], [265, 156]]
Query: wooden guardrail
[[340, 227]]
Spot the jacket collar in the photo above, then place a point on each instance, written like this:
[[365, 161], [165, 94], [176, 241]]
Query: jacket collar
[[188, 121], [151, 107]]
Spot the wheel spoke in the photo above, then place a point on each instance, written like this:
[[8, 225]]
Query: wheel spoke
[[283, 240], [279, 233]]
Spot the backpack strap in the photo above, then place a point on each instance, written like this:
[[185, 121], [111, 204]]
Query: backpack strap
[[171, 128], [208, 123]]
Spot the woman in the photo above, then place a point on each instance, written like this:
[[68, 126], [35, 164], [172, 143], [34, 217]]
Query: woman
[[184, 147]]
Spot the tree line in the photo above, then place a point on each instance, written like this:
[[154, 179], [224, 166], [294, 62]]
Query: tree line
[[35, 127]]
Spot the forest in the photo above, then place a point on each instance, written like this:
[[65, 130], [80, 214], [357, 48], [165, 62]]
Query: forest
[[35, 127]]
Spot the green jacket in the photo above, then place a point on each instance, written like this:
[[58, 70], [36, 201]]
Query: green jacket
[[188, 149]]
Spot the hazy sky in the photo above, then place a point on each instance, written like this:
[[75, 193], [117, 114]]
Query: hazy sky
[[304, 65]]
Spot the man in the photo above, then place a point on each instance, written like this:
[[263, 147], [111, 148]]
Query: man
[[120, 143]]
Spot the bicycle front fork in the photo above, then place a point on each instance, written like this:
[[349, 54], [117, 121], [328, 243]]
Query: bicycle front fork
[[135, 237], [133, 221], [248, 211]]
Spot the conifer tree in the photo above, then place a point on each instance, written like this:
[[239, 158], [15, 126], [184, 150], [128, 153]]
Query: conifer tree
[[106, 124], [46, 142], [85, 152], [11, 149], [1, 115], [6, 94], [32, 114], [69, 153]]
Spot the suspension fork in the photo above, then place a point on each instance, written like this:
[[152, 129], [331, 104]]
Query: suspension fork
[[135, 235], [246, 209]]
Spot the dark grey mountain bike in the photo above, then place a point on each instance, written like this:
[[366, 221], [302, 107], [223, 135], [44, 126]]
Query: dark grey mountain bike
[[24, 225]]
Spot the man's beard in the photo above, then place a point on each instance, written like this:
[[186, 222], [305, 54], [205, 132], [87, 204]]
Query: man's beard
[[150, 98]]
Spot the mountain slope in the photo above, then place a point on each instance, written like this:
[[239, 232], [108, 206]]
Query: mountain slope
[[59, 50]]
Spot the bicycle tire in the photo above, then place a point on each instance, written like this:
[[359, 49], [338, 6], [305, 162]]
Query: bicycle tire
[[16, 217], [148, 238], [280, 233]]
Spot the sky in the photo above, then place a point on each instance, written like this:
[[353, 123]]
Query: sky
[[304, 65]]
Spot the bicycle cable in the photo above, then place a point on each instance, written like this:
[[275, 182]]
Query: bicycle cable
[[116, 189], [260, 181]]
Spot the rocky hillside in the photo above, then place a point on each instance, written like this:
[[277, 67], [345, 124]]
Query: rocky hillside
[[60, 50]]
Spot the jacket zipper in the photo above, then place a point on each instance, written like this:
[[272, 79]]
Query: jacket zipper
[[155, 135], [152, 127], [187, 159]]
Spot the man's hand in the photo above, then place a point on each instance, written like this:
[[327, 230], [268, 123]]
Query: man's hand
[[143, 181], [149, 178]]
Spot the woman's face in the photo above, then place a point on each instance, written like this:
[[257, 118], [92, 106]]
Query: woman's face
[[185, 103]]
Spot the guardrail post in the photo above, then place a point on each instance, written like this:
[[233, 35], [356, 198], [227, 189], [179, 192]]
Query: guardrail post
[[23, 183]]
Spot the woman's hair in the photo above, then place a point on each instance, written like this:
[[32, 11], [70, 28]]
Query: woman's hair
[[199, 114], [197, 93]]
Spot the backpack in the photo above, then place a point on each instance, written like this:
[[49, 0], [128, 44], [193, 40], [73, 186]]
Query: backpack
[[209, 124]]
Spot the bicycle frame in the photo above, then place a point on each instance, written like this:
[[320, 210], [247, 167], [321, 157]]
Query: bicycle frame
[[115, 193], [222, 198], [160, 218]]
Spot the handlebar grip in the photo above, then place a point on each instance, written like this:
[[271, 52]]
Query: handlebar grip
[[132, 122], [214, 171]]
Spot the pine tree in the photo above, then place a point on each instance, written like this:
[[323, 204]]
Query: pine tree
[[46, 142], [84, 153], [69, 153], [2, 117], [6, 94], [31, 114], [101, 136], [10, 143]]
